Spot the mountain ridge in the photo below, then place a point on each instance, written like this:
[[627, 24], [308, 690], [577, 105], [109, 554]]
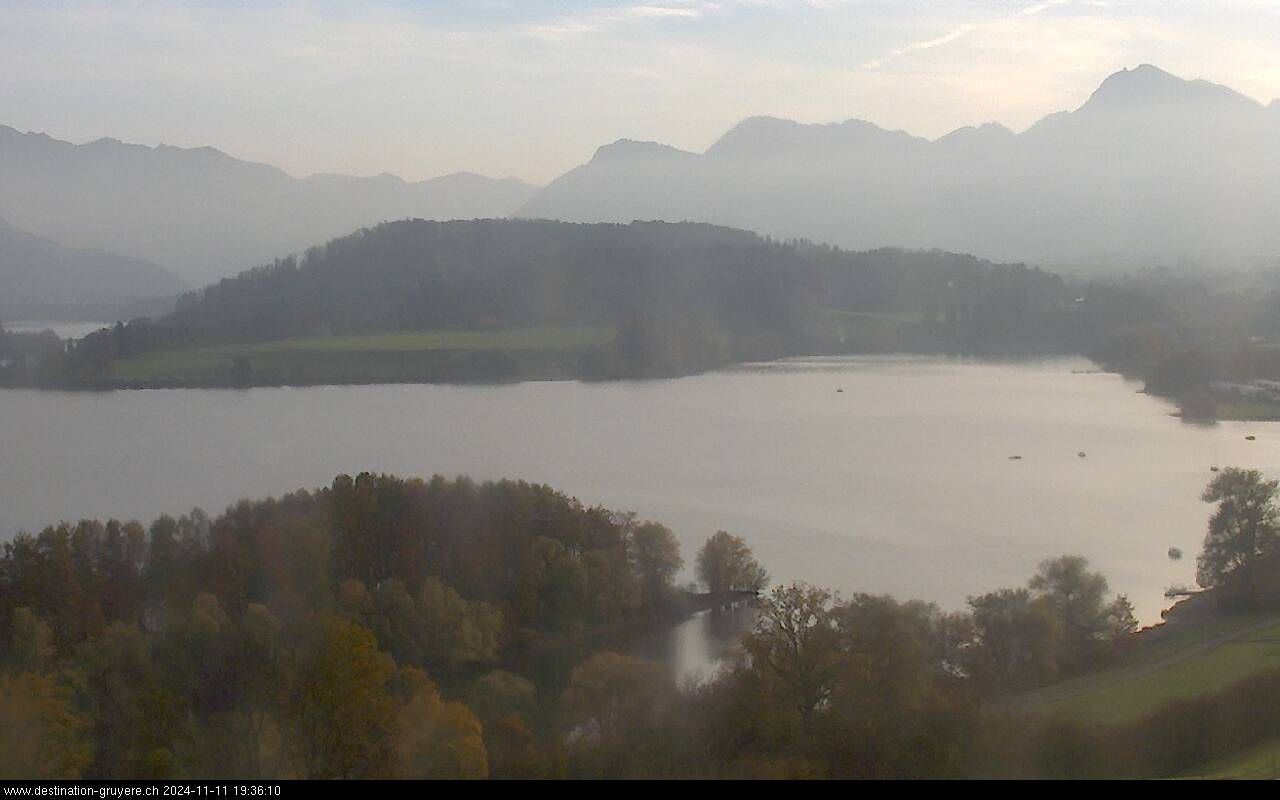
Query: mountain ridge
[[162, 147], [1150, 169], [205, 214], [38, 272]]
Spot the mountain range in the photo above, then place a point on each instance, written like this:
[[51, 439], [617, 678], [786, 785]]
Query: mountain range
[[205, 215], [41, 278], [1150, 170]]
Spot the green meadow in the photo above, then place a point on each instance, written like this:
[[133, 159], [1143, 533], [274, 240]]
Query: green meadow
[[1201, 659], [448, 355]]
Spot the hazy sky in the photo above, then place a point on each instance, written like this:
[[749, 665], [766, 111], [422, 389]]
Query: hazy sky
[[531, 87]]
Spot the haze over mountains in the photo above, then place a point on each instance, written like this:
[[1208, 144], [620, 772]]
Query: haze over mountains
[[1152, 169], [39, 277], [206, 215]]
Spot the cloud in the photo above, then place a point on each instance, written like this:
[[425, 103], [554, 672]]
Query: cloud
[[532, 87], [956, 33], [600, 20], [927, 44]]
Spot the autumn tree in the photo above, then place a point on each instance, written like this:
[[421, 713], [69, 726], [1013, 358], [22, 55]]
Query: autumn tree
[[138, 722], [438, 739], [499, 694], [41, 734], [1244, 529], [32, 645], [1121, 620], [260, 676], [896, 709], [397, 621], [656, 555], [508, 708], [796, 641], [458, 632], [896, 645], [610, 695], [1015, 640], [342, 711], [725, 564], [1077, 598]]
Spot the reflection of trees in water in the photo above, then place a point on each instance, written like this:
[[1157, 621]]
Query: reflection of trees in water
[[727, 625], [699, 647], [693, 648]]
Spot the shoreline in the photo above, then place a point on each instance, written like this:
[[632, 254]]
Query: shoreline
[[93, 385]]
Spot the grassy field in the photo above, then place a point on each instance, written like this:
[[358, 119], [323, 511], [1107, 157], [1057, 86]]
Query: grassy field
[[1261, 762], [1247, 410], [866, 330], [415, 356], [1201, 659]]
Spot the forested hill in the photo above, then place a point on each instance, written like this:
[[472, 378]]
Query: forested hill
[[659, 298], [422, 275]]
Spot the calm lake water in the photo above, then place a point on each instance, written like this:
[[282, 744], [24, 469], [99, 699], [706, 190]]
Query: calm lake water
[[694, 649], [900, 483]]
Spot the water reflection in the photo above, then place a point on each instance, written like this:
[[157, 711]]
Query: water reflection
[[697, 648], [694, 649]]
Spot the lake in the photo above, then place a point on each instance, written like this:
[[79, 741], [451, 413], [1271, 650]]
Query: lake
[[902, 482]]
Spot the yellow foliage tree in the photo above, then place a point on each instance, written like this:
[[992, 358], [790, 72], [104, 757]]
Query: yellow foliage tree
[[343, 713], [440, 739], [41, 736]]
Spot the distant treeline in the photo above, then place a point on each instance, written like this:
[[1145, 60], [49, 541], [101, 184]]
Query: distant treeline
[[681, 297], [1191, 337]]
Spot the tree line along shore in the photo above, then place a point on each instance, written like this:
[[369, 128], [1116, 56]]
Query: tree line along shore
[[384, 627]]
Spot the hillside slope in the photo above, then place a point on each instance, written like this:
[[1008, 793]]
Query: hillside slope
[[38, 272]]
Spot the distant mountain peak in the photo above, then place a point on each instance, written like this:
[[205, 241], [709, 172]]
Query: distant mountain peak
[[203, 150], [627, 149], [765, 136], [1151, 169], [1148, 85], [762, 123], [1142, 80], [987, 131]]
